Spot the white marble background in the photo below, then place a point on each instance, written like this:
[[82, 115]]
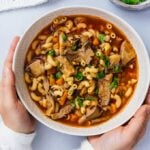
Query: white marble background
[[15, 22]]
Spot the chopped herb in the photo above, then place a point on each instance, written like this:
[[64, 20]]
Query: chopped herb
[[72, 104], [64, 37], [101, 38], [96, 91], [132, 2], [116, 69], [89, 65], [80, 101], [51, 52], [97, 54], [106, 60], [100, 75], [58, 75], [114, 83], [76, 45], [79, 76], [89, 98]]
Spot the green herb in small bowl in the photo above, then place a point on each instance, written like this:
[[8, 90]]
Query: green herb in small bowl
[[133, 2]]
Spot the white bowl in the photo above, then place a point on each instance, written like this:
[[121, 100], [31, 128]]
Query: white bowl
[[130, 108], [139, 6]]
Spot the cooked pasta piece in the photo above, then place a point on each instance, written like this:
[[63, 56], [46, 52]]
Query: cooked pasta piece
[[90, 72], [47, 45], [128, 92], [27, 78], [49, 39], [34, 84], [29, 56], [92, 87], [35, 97], [81, 25], [69, 24], [41, 89], [50, 63], [35, 44], [109, 26], [42, 37]]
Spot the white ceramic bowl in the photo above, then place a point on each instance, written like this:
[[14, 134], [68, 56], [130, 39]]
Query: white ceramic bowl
[[130, 108]]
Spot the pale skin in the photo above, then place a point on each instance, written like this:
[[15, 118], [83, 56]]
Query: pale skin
[[17, 118], [12, 111]]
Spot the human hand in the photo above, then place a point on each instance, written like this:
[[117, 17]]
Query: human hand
[[124, 137], [12, 111]]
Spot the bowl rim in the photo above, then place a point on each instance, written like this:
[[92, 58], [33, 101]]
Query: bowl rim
[[74, 132]]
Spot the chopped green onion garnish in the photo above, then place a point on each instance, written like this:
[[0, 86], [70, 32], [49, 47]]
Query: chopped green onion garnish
[[106, 60], [96, 91], [64, 37], [79, 76], [72, 103], [114, 83], [58, 75], [89, 65], [89, 98], [97, 54], [116, 69], [74, 47], [80, 101], [101, 38], [51, 52], [100, 75]]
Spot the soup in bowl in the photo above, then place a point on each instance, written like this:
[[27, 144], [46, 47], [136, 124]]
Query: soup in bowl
[[81, 73]]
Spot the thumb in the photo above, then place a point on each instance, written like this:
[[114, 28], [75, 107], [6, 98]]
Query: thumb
[[8, 80], [8, 88], [137, 125]]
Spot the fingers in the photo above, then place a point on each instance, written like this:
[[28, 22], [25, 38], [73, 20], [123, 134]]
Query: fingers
[[136, 127], [8, 80], [147, 101]]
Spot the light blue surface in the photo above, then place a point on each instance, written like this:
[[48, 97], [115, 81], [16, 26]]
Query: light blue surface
[[15, 22]]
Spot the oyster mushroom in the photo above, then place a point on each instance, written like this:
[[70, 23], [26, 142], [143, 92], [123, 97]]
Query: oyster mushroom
[[127, 52], [62, 113], [91, 113], [36, 68], [104, 89], [67, 68]]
